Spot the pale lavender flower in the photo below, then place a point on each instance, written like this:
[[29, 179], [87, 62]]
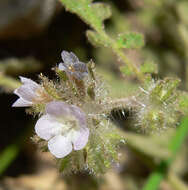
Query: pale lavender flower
[[29, 93], [72, 66], [64, 127]]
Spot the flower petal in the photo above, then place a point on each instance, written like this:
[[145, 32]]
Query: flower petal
[[48, 127], [79, 75], [80, 115], [69, 57], [80, 66], [58, 108], [62, 67], [59, 146], [80, 138], [21, 103], [28, 82], [26, 92]]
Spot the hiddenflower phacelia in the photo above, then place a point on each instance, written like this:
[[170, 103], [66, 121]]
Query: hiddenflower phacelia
[[64, 127], [30, 93], [72, 66], [73, 112]]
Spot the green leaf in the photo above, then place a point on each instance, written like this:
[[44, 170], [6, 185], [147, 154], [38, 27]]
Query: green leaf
[[130, 40], [92, 13], [95, 39], [149, 67], [102, 10]]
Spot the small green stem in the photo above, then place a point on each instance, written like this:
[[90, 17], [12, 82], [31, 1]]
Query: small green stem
[[155, 178], [130, 65], [8, 156], [121, 55]]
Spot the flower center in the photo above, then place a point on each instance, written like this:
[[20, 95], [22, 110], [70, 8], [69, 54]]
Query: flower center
[[71, 68], [68, 125], [41, 96]]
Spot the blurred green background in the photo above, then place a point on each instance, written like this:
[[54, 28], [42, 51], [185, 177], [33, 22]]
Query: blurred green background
[[32, 35]]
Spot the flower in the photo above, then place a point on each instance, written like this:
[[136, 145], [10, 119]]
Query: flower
[[64, 127], [30, 93], [72, 66]]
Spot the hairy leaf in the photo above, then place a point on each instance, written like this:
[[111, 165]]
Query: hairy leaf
[[102, 10], [92, 13], [95, 39], [130, 40]]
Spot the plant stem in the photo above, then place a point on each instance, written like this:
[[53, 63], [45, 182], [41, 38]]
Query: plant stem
[[121, 55], [130, 65], [8, 83], [155, 178], [9, 154], [176, 183]]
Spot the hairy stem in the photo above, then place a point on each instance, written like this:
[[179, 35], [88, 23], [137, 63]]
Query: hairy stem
[[121, 55]]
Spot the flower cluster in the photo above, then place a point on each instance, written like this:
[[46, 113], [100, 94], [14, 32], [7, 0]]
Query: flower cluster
[[64, 126], [158, 110], [75, 114], [73, 119]]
